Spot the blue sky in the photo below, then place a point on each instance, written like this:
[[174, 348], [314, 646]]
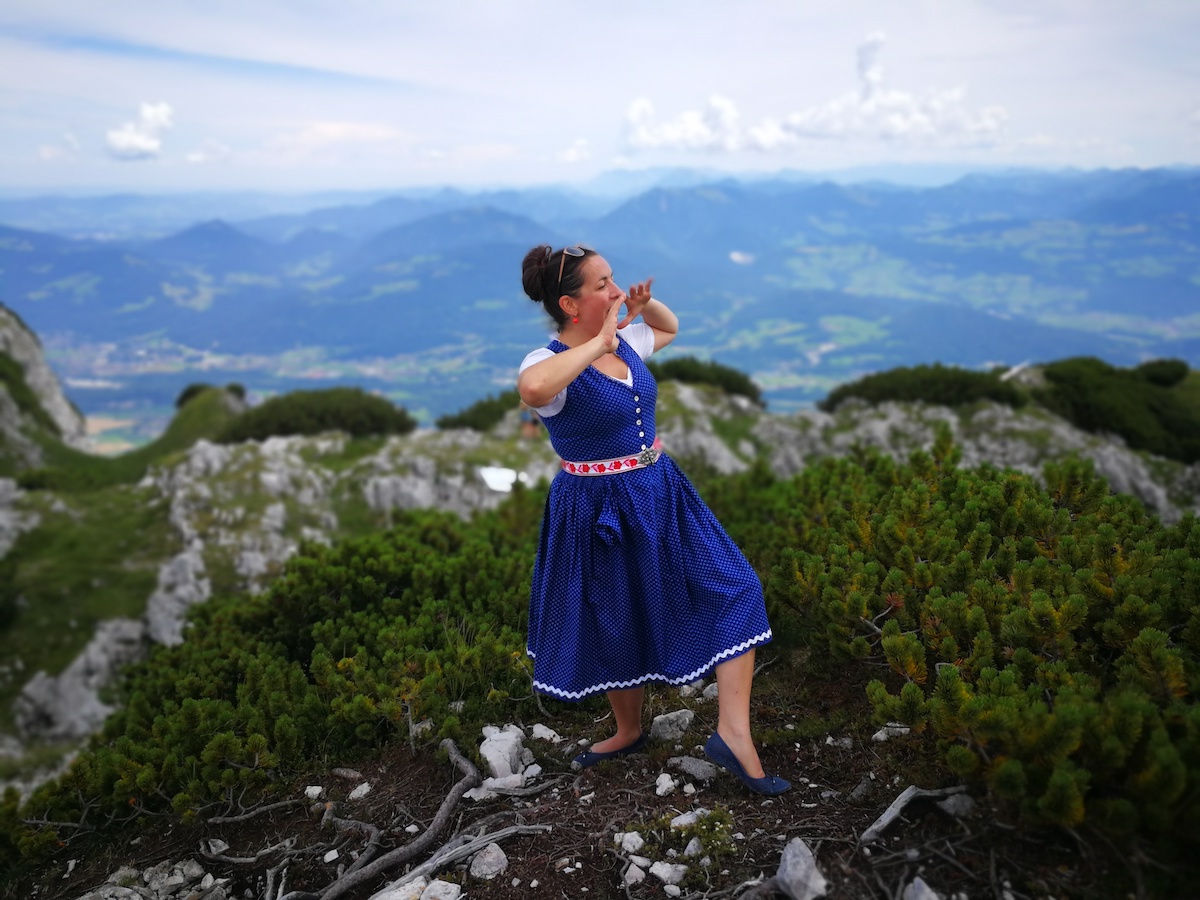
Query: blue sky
[[310, 95]]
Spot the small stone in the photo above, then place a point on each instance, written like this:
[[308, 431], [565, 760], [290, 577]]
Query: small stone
[[533, 883], [314, 792], [489, 862], [541, 732], [127, 876], [957, 805], [844, 743], [672, 890], [632, 842], [668, 873], [696, 769], [349, 774], [413, 829], [798, 875], [420, 728], [634, 875], [361, 791], [532, 771], [710, 692], [671, 727], [207, 881], [919, 890], [410, 890], [689, 789], [694, 848], [664, 785], [442, 890], [587, 799], [516, 882], [684, 820], [331, 856], [644, 861], [890, 730]]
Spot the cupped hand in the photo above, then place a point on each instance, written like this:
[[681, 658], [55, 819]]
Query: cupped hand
[[635, 300], [608, 331]]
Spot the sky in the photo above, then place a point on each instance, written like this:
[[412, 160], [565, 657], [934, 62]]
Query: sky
[[307, 95]]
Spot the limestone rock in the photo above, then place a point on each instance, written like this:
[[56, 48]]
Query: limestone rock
[[67, 706], [668, 873], [489, 862], [798, 875], [671, 727], [411, 890], [698, 769]]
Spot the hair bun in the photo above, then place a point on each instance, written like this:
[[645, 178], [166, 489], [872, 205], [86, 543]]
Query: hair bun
[[533, 268]]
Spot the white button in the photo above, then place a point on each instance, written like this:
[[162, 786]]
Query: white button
[[642, 434], [643, 446], [636, 398], [638, 410], [639, 421]]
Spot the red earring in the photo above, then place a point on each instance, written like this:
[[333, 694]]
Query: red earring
[[576, 320]]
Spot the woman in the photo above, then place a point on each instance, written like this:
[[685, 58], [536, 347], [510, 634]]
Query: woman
[[635, 580]]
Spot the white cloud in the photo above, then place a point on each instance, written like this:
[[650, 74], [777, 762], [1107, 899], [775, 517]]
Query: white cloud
[[68, 149], [141, 139], [579, 151], [209, 151], [873, 112], [316, 138], [715, 128]]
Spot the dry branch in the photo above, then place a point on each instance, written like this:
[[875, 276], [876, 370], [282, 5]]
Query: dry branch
[[892, 812]]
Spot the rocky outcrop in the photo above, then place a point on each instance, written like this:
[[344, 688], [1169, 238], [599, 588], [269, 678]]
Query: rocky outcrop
[[13, 519], [22, 346], [67, 706]]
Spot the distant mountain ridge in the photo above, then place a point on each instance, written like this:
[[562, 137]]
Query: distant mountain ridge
[[802, 284]]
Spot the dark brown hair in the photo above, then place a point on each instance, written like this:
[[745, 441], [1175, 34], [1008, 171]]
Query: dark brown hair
[[539, 277]]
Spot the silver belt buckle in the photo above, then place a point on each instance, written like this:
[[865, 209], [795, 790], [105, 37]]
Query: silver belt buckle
[[648, 457]]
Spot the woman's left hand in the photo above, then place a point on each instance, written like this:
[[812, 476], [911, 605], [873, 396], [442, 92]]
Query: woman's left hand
[[635, 300]]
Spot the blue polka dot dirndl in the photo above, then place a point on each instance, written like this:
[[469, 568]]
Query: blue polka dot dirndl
[[635, 579]]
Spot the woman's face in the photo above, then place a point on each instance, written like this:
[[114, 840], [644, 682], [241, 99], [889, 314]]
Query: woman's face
[[598, 294]]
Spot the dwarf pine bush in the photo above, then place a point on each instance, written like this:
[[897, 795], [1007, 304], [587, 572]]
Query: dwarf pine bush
[[1048, 638]]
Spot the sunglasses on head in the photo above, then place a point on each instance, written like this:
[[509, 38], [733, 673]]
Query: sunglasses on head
[[577, 250]]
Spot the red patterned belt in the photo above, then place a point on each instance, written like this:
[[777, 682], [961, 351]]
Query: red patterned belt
[[621, 464]]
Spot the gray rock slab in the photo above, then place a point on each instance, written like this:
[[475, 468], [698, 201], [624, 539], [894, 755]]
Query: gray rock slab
[[672, 726], [798, 875]]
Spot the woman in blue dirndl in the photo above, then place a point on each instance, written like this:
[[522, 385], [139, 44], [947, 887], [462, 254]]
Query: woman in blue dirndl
[[635, 579]]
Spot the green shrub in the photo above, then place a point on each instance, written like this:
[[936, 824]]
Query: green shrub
[[1047, 637], [1163, 372], [351, 410], [936, 384], [482, 415], [1131, 403], [694, 371], [191, 391]]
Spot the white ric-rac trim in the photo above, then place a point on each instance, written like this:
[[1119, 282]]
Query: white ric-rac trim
[[616, 685]]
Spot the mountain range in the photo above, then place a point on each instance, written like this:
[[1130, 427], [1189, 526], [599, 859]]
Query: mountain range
[[803, 284]]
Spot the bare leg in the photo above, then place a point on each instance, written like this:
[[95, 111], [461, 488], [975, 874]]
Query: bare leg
[[627, 711], [734, 677]]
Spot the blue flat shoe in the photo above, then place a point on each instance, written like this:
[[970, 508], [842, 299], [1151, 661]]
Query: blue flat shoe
[[718, 751], [589, 759]]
